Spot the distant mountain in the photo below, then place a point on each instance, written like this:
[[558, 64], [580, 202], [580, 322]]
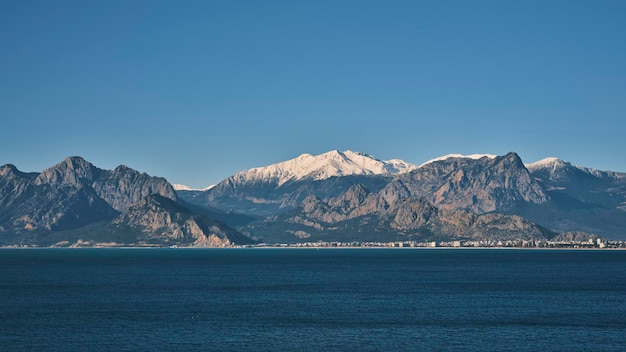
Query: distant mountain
[[581, 198], [477, 184], [159, 220], [59, 198], [336, 196], [268, 189], [120, 187], [321, 167], [74, 195], [558, 173], [358, 215], [180, 187], [460, 156], [553, 193]]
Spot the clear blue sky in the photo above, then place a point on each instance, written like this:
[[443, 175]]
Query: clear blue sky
[[195, 91]]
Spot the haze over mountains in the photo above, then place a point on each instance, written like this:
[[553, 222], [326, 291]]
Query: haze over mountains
[[335, 196]]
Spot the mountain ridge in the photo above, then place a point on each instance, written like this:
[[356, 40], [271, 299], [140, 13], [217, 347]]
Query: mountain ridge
[[323, 166], [479, 183], [74, 194], [331, 196]]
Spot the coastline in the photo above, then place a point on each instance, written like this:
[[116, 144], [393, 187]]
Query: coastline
[[292, 247]]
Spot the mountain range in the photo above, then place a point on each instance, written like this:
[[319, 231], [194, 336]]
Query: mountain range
[[335, 196], [270, 189], [556, 194], [76, 203]]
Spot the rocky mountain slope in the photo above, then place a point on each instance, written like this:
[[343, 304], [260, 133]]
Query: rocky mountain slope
[[581, 198], [359, 215], [159, 220], [41, 208], [553, 193], [336, 196], [267, 190], [321, 167], [480, 185], [120, 187], [48, 202]]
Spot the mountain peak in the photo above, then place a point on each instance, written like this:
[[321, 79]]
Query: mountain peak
[[74, 160], [550, 162], [182, 187], [460, 156], [8, 169], [324, 166], [72, 170], [124, 168], [512, 157]]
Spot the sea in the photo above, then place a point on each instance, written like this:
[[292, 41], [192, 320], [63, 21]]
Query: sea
[[288, 299]]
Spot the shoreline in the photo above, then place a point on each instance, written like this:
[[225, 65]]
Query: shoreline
[[318, 248]]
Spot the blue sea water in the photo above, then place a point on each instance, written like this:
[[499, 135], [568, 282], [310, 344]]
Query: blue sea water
[[312, 300]]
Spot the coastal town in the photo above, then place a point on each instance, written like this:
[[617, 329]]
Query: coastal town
[[598, 243]]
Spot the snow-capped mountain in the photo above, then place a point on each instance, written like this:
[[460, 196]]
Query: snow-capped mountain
[[593, 200], [461, 156], [335, 195], [323, 166], [550, 162], [181, 187], [264, 190], [556, 169], [550, 192]]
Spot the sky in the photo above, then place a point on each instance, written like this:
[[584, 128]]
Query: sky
[[195, 91]]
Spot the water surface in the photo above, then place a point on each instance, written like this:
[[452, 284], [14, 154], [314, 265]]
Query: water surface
[[315, 300]]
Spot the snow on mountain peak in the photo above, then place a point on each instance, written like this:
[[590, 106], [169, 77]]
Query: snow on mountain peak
[[554, 165], [326, 165], [180, 187], [550, 162], [449, 156]]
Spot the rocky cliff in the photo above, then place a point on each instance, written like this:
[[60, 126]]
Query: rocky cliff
[[282, 186], [120, 187], [553, 193], [49, 202], [478, 185], [361, 215], [75, 203], [159, 220], [69, 195]]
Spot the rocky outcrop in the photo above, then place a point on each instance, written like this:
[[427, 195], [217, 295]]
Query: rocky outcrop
[[161, 221], [412, 214], [62, 208], [334, 198], [72, 171], [353, 198], [14, 185], [581, 199], [120, 187], [386, 216], [28, 203], [478, 185], [124, 186], [282, 186], [588, 186], [71, 194]]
